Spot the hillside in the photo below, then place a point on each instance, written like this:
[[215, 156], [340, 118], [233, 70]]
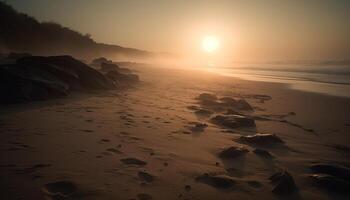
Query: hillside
[[22, 33]]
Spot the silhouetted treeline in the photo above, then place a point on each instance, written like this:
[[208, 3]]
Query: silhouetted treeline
[[22, 33]]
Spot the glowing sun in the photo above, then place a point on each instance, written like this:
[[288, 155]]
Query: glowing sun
[[210, 44]]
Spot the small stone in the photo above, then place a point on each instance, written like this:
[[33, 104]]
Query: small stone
[[233, 152]]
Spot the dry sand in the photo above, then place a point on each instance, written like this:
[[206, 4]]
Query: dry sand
[[138, 143]]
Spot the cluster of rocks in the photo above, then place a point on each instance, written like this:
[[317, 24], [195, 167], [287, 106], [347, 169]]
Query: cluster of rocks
[[32, 78], [228, 111]]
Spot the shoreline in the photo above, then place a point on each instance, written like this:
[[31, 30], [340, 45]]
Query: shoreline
[[84, 138], [338, 89]]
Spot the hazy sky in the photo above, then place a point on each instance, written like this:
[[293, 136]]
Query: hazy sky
[[247, 29]]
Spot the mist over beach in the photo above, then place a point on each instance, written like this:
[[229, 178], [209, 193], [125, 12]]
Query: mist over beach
[[185, 100]]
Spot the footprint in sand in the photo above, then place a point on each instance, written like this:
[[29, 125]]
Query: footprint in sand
[[113, 150], [133, 161], [60, 189], [32, 169], [104, 140], [86, 130], [147, 177]]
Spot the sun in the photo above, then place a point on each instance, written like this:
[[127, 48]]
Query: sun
[[210, 44]]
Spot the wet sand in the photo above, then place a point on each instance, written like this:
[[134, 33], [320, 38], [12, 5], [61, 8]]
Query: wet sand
[[141, 143]]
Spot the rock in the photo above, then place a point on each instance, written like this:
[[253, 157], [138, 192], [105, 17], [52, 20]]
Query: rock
[[233, 121], [232, 112], [107, 67], [331, 183], [233, 152], [144, 176], [69, 70], [99, 61], [261, 139], [262, 153], [228, 100], [210, 101], [284, 183], [198, 127], [203, 112], [120, 78], [334, 170], [38, 78], [60, 188], [217, 181], [244, 105], [133, 161], [207, 97], [16, 87]]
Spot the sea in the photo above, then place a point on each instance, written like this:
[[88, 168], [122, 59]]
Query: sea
[[323, 79]]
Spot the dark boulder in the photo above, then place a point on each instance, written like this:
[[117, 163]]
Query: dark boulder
[[233, 152], [284, 183], [233, 121], [99, 61], [107, 67], [261, 139], [217, 181], [17, 86], [65, 68]]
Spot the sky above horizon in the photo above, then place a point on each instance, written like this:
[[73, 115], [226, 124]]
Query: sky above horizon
[[256, 30]]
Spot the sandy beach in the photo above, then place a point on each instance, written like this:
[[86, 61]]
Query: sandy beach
[[149, 141]]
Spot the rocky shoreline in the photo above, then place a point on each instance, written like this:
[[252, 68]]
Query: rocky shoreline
[[32, 78]]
